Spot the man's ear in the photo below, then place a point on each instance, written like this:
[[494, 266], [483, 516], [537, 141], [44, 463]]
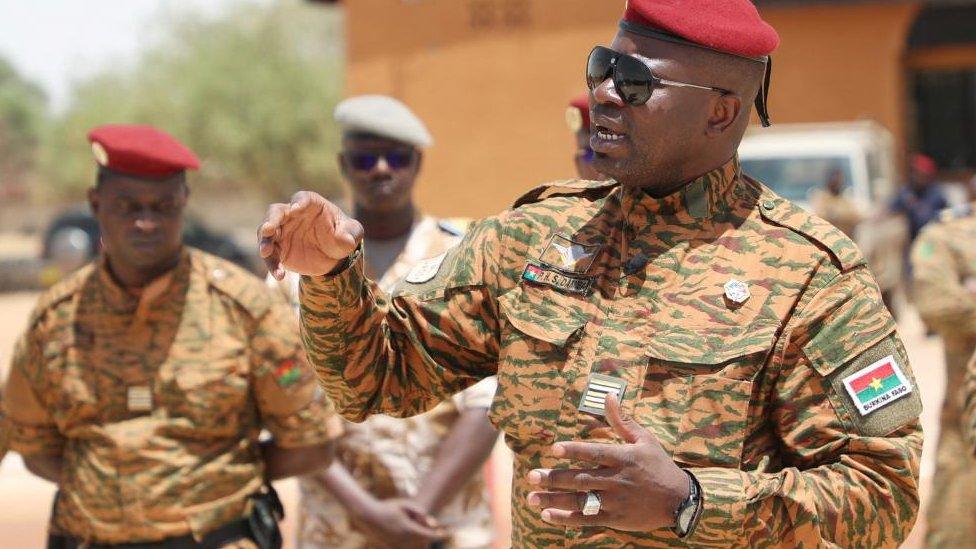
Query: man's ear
[[93, 200], [726, 109]]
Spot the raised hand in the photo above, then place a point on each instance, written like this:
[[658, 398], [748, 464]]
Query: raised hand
[[309, 236]]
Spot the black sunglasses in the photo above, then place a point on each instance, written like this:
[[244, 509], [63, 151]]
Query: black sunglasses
[[364, 162], [633, 80]]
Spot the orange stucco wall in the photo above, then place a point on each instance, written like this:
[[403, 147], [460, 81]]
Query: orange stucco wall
[[492, 78], [843, 63]]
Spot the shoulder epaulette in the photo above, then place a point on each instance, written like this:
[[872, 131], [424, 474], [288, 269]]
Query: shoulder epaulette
[[782, 212], [249, 292], [567, 187], [454, 226], [61, 291], [956, 212]]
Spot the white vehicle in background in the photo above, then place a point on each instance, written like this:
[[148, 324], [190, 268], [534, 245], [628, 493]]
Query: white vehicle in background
[[795, 161]]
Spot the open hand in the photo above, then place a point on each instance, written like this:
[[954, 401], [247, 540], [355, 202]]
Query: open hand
[[309, 236], [639, 485]]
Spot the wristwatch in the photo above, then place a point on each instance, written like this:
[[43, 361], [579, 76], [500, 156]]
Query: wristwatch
[[689, 511]]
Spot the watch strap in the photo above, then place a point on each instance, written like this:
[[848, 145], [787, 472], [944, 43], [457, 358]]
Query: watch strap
[[695, 498]]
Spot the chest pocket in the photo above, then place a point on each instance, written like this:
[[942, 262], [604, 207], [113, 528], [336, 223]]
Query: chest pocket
[[209, 398], [74, 387], [538, 334], [698, 388]]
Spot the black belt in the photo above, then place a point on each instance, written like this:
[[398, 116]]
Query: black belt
[[228, 533]]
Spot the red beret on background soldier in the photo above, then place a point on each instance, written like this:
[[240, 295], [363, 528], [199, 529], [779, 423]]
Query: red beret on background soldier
[[145, 378], [684, 358]]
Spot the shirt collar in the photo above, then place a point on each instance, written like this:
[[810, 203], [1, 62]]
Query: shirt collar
[[128, 300], [697, 200]]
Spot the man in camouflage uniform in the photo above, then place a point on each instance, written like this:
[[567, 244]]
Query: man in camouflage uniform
[[944, 272], [767, 395], [145, 378], [389, 471]]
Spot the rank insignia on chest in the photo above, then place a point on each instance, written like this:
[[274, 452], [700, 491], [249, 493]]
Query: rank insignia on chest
[[546, 276], [568, 255], [138, 398], [877, 385], [594, 399]]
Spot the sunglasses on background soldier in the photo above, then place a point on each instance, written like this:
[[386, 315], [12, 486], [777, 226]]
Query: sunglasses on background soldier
[[364, 162]]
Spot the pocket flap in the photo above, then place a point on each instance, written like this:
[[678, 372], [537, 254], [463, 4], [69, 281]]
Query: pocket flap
[[712, 345], [547, 316]]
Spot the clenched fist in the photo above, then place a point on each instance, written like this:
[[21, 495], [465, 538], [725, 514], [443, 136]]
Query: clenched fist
[[309, 236]]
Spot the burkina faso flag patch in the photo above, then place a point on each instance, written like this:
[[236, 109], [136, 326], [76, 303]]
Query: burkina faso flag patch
[[878, 385], [288, 373]]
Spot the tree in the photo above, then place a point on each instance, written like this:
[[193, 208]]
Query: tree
[[22, 117], [251, 91]]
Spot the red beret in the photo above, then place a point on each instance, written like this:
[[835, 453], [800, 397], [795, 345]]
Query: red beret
[[578, 113], [728, 26], [924, 165], [140, 151]]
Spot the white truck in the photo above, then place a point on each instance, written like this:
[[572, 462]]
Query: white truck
[[795, 161]]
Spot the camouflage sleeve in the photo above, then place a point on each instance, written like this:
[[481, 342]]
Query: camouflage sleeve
[[944, 303], [401, 355], [844, 406], [969, 412], [32, 428], [292, 406]]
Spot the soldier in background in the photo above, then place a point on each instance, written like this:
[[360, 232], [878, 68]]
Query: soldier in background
[[921, 199], [395, 480], [578, 120], [144, 379], [831, 204], [944, 271]]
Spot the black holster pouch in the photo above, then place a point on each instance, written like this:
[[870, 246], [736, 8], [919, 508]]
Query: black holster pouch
[[266, 512]]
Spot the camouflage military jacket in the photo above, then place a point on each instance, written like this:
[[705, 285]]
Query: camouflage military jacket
[[155, 404], [750, 337], [944, 271]]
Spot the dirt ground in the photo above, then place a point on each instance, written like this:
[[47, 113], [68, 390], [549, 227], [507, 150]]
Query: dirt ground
[[25, 500]]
